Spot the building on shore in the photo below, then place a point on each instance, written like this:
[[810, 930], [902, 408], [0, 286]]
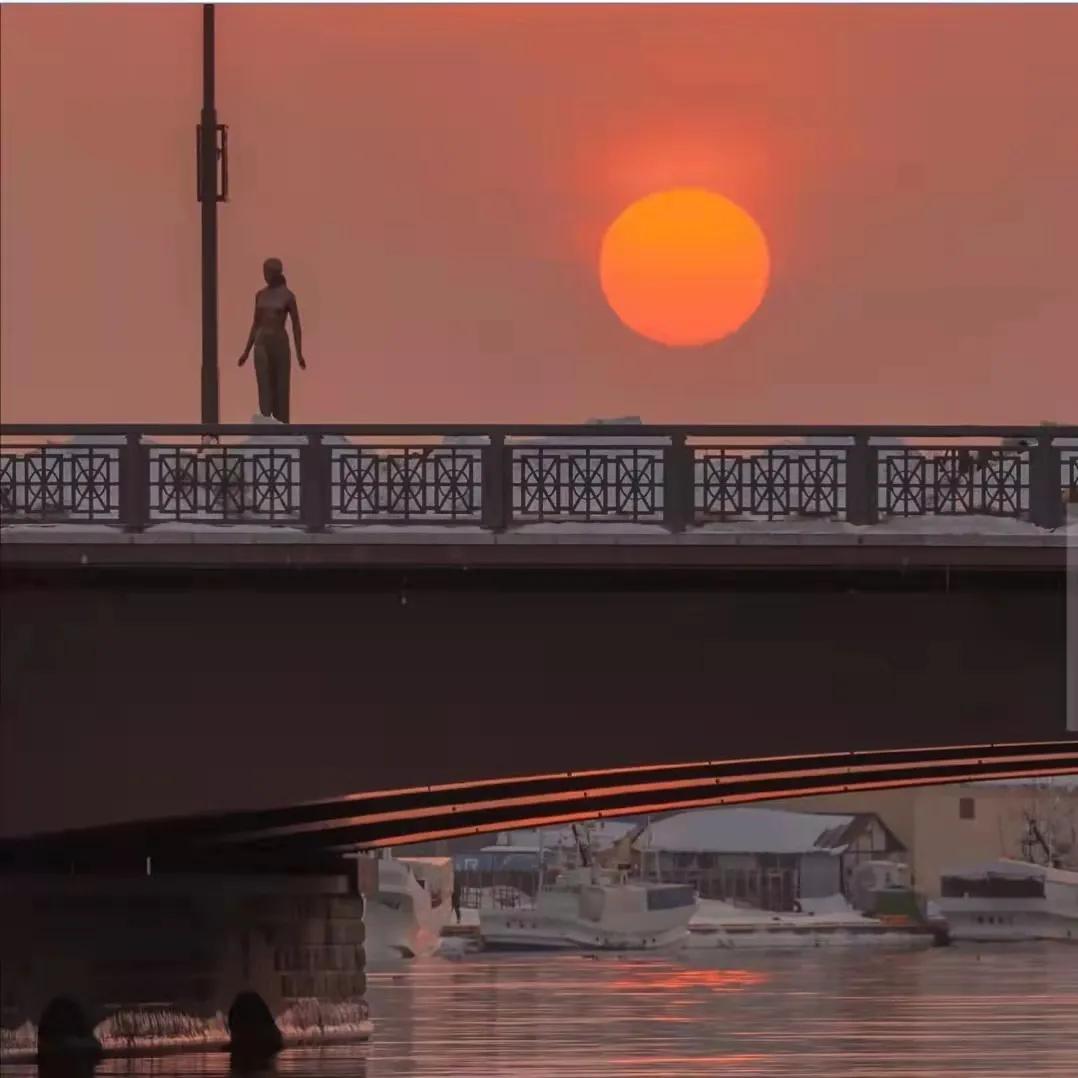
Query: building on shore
[[968, 824], [763, 857], [772, 854]]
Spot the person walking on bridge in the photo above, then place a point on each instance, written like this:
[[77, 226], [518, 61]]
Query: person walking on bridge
[[268, 338]]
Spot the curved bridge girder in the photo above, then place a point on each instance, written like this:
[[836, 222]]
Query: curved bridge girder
[[291, 834]]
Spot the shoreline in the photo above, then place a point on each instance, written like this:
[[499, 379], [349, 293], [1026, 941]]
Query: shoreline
[[167, 1046]]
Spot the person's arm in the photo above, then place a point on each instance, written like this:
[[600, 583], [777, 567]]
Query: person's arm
[[250, 337], [297, 331]]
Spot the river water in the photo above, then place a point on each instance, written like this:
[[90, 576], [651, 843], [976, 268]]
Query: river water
[[990, 1012]]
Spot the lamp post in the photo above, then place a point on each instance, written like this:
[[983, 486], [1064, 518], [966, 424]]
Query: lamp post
[[212, 168]]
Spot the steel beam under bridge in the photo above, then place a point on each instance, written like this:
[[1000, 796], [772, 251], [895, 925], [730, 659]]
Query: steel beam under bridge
[[395, 817]]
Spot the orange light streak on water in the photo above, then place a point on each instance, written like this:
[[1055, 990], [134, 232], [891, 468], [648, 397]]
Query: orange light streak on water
[[680, 980]]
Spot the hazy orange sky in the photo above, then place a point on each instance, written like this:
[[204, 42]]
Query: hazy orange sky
[[438, 180]]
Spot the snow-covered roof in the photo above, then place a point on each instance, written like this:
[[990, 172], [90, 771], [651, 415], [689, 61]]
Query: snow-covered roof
[[741, 830], [603, 833]]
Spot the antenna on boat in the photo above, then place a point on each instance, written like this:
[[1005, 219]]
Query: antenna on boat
[[582, 849], [540, 886], [586, 859], [654, 860]]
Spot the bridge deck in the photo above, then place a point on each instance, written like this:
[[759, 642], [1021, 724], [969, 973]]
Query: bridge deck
[[936, 541]]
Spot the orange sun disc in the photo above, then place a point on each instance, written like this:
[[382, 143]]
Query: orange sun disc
[[684, 267]]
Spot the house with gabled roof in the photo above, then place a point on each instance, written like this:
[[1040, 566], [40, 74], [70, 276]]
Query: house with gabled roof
[[768, 858]]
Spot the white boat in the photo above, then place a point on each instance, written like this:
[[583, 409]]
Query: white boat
[[1010, 901], [584, 910], [594, 909], [405, 916]]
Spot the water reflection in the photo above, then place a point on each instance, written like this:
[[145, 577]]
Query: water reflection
[[67, 1068], [1009, 1012]]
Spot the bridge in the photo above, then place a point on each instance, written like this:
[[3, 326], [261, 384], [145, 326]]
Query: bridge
[[329, 611], [249, 652]]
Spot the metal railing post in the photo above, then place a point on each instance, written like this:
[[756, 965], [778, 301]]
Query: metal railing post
[[862, 481], [1046, 507], [497, 480], [134, 483], [315, 484], [679, 488]]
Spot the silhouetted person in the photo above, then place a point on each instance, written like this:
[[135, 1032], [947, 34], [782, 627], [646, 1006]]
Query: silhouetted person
[[269, 339], [456, 900]]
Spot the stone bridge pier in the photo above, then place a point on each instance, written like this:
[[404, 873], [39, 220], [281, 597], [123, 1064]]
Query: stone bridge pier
[[126, 964]]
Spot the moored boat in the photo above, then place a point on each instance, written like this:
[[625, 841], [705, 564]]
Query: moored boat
[[405, 916], [594, 908], [1010, 901], [588, 910]]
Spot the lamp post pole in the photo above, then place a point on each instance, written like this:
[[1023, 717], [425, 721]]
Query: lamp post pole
[[211, 153]]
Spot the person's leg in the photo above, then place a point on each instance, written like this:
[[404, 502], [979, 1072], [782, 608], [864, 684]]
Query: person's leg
[[282, 369], [264, 377]]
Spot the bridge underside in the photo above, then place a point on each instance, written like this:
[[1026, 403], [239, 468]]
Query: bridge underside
[[134, 694]]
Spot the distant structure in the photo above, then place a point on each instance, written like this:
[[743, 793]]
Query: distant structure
[[518, 851], [768, 858], [618, 421], [970, 823], [508, 871]]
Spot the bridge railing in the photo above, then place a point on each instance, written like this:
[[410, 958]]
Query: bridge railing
[[494, 478]]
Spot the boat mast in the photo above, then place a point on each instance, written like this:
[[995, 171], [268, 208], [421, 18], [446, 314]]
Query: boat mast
[[654, 860], [645, 850], [540, 885], [586, 859]]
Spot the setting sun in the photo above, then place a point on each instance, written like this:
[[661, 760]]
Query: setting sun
[[684, 267]]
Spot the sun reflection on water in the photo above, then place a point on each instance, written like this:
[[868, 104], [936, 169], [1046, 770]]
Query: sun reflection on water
[[683, 980]]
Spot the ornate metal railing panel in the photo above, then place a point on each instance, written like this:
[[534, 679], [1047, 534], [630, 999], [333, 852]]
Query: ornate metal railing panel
[[588, 483], [985, 480], [732, 483], [498, 478], [220, 483], [60, 483], [403, 484], [1069, 470]]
